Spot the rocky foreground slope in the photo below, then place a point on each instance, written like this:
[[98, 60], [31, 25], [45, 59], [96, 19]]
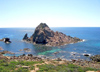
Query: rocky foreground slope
[[44, 35]]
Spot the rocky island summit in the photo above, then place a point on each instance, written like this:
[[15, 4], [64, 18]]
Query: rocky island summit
[[44, 35]]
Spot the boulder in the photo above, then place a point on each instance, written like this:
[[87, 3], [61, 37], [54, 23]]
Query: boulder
[[59, 59], [73, 60], [23, 55], [30, 55], [86, 54], [95, 58], [44, 35]]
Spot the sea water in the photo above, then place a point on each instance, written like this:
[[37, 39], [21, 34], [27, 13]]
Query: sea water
[[90, 45]]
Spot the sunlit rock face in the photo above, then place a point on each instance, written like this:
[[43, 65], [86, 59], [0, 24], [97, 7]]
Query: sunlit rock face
[[44, 35]]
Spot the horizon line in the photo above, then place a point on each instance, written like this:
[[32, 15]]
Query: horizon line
[[50, 27]]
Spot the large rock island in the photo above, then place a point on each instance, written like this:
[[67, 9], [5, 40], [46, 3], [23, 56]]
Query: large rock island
[[44, 35]]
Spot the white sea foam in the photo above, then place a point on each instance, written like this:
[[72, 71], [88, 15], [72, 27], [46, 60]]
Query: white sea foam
[[85, 51], [83, 40], [78, 56], [72, 53]]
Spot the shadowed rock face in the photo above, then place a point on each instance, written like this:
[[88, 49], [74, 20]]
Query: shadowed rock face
[[25, 37], [44, 35]]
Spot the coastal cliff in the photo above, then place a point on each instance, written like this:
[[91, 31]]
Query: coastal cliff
[[44, 35]]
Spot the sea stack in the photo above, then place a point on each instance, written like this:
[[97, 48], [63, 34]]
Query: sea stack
[[44, 35]]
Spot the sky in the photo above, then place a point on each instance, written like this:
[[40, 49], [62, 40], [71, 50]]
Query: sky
[[55, 13]]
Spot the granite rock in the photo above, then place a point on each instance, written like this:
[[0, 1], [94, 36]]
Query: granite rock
[[95, 58], [44, 35]]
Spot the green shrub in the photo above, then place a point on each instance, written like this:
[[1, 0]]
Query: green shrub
[[22, 70], [25, 62], [32, 67], [11, 67]]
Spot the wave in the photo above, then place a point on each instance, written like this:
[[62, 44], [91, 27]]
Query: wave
[[83, 40], [73, 53]]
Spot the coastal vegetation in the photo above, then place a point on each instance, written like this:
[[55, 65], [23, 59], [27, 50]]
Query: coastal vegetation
[[40, 66]]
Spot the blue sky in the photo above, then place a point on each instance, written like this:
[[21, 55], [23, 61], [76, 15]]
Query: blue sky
[[56, 13]]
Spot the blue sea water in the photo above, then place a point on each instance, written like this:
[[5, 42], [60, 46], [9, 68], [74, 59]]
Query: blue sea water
[[91, 45]]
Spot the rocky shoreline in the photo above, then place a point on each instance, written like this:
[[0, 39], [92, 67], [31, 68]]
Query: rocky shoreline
[[30, 57]]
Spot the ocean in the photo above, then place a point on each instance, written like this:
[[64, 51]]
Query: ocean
[[90, 45]]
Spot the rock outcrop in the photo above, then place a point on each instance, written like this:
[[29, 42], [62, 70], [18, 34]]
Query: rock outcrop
[[6, 52], [26, 38], [6, 40], [44, 35], [95, 58]]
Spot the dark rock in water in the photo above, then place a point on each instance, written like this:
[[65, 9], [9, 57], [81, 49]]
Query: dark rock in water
[[4, 52], [73, 60], [30, 55], [6, 40], [44, 35], [27, 49], [23, 55], [95, 58], [26, 38], [86, 55]]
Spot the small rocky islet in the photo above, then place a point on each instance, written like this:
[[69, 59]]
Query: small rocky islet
[[44, 35], [6, 40]]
